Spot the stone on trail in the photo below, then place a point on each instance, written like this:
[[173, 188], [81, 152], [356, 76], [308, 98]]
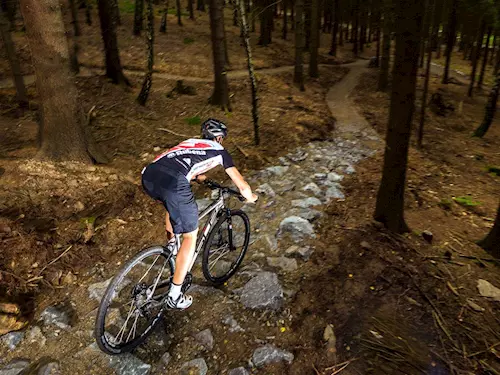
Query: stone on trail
[[97, 290], [13, 339], [298, 156], [233, 324], [306, 202], [298, 228], [334, 192], [205, 290], [486, 289], [14, 367], [277, 170], [334, 177], [51, 368], [284, 263], [238, 371], [262, 292], [127, 364], [56, 315], [271, 242], [166, 358], [310, 214], [270, 354], [428, 236], [313, 188], [35, 335], [205, 339], [299, 252], [266, 189], [197, 366], [284, 186]]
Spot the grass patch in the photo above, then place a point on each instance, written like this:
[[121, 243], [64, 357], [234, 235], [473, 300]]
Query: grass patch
[[195, 120], [188, 40], [466, 201], [445, 204], [174, 12], [493, 170], [126, 6]]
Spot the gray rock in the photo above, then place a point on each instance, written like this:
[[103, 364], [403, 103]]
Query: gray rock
[[365, 245], [97, 290], [428, 236], [271, 242], [313, 188], [56, 315], [334, 177], [299, 252], [127, 364], [298, 228], [277, 170], [286, 264], [320, 176], [205, 339], [262, 292], [298, 156], [238, 371], [51, 368], [284, 186], [233, 324], [249, 208], [306, 202], [13, 339], [283, 161], [205, 290], [270, 354], [197, 366], [266, 189], [333, 192], [35, 335], [203, 203], [14, 367], [166, 358], [309, 214]]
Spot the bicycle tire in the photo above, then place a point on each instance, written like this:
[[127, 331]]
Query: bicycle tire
[[206, 250], [100, 329]]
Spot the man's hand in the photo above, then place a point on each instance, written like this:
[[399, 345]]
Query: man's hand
[[254, 198]]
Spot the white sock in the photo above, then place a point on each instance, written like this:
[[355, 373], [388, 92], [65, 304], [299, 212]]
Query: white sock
[[175, 291]]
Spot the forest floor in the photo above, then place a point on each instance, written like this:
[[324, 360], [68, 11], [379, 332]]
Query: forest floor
[[397, 304]]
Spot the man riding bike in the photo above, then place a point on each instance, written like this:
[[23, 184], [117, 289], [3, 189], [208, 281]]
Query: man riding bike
[[168, 178]]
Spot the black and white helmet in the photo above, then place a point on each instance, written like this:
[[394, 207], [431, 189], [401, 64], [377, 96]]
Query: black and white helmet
[[213, 128]]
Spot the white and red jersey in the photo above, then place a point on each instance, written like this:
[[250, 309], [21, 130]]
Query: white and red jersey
[[194, 157]]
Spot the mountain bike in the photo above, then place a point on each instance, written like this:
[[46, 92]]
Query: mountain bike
[[144, 281]]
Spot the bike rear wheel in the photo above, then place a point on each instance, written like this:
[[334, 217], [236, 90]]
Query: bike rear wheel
[[226, 246], [132, 304]]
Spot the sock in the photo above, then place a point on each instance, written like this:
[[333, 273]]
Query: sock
[[175, 291]]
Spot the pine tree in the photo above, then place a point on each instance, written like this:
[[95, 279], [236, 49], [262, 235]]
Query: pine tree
[[150, 34], [491, 107], [491, 243], [313, 60], [298, 76], [138, 16]]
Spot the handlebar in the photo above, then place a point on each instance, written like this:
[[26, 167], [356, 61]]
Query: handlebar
[[215, 186]]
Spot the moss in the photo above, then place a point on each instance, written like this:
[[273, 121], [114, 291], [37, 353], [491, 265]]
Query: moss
[[126, 6], [188, 40], [195, 120], [466, 201], [445, 204], [493, 170]]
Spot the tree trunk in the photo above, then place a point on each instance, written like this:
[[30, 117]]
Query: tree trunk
[[200, 5], [117, 12], [253, 80], [108, 31], [179, 10], [266, 23], [425, 34], [493, 48], [298, 75], [163, 24], [475, 57], [9, 7], [292, 15], [430, 10], [390, 198], [341, 31], [150, 34], [435, 31], [15, 67], [452, 30], [491, 107], [62, 136], [74, 18], [285, 19], [333, 48], [307, 24], [138, 16], [485, 59], [491, 243], [191, 10], [88, 14], [220, 95], [313, 60], [355, 48], [383, 79], [378, 36]]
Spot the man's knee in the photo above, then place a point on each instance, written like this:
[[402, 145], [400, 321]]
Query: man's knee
[[190, 235]]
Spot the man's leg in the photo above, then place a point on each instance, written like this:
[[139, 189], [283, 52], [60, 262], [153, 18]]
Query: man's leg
[[185, 256], [168, 227]]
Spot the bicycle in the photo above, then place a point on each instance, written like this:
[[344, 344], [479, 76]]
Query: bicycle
[[227, 229]]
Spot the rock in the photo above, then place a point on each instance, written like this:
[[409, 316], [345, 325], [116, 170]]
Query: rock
[[197, 366], [365, 245], [298, 156], [238, 371], [35, 335], [233, 324], [69, 278], [97, 290], [271, 242], [286, 264], [333, 192], [114, 317], [309, 214], [127, 364], [283, 161], [51, 368], [57, 315], [277, 170], [205, 290], [428, 236], [79, 206], [166, 358], [284, 186], [298, 228], [14, 367], [156, 149], [205, 339], [203, 203], [334, 177], [4, 228], [313, 188], [486, 289], [262, 292], [13, 339], [331, 342], [299, 252], [270, 354], [266, 189], [320, 176]]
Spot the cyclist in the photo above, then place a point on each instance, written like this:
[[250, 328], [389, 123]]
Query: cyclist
[[168, 178]]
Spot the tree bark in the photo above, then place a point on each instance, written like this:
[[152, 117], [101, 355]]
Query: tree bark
[[108, 31], [292, 15], [313, 60], [298, 75], [452, 30], [491, 107], [378, 36], [285, 19], [493, 48], [333, 48], [138, 16], [191, 10], [240, 5], [179, 12], [485, 59], [61, 132], [383, 79], [220, 95], [15, 67], [163, 24], [355, 41], [491, 243], [200, 5], [88, 14], [390, 198], [266, 23], [150, 34], [475, 57], [425, 34], [341, 30], [74, 18], [117, 12], [9, 7]]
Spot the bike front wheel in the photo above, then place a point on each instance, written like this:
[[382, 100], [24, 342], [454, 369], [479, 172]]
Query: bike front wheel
[[226, 246], [132, 304]]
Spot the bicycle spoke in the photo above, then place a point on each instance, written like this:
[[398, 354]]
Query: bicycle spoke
[[149, 269], [134, 326], [121, 332], [156, 281], [214, 262]]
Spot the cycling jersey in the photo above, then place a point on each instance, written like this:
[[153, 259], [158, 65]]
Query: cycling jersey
[[194, 157]]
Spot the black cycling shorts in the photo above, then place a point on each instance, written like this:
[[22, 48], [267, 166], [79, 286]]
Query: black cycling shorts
[[174, 191]]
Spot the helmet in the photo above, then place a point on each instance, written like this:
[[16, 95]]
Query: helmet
[[213, 128]]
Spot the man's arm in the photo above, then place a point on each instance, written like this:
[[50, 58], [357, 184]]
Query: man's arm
[[241, 184]]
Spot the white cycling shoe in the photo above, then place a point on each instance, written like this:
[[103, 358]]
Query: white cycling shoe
[[181, 303]]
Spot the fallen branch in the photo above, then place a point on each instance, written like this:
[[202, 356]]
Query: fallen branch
[[483, 351], [55, 260], [177, 134], [240, 149]]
